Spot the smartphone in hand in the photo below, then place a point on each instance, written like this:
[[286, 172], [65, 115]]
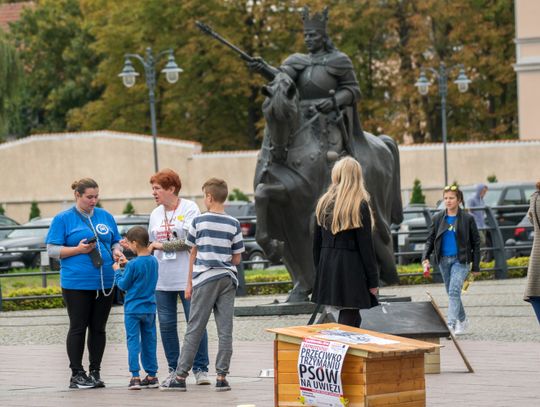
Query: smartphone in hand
[[93, 239]]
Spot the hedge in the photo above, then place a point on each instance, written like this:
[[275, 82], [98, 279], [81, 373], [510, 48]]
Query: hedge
[[282, 275], [41, 303]]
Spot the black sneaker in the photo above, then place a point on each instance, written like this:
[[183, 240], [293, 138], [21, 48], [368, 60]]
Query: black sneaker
[[96, 378], [222, 385], [173, 384], [134, 383], [148, 383], [81, 381]]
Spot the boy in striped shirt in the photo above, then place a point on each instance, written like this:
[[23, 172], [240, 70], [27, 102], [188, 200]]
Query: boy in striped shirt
[[216, 246]]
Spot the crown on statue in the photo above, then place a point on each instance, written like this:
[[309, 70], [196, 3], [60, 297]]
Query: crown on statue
[[317, 21]]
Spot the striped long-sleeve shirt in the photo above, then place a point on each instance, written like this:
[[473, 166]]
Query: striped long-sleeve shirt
[[217, 237]]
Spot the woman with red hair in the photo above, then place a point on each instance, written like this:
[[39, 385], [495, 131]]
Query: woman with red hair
[[169, 223]]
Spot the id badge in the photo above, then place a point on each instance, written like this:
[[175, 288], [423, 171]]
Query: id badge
[[169, 255]]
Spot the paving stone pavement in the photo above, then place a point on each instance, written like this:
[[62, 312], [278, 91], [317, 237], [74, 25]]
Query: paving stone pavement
[[503, 346]]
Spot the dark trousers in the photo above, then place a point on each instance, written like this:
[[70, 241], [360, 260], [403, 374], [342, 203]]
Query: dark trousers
[[86, 312], [350, 317]]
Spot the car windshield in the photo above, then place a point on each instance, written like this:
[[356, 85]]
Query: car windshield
[[236, 210], [493, 196], [18, 233]]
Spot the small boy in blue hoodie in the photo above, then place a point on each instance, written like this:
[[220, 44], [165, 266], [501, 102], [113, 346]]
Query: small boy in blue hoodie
[[139, 280]]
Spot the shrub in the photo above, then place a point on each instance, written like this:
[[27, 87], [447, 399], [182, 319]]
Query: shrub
[[417, 197], [35, 212], [492, 178], [2, 210], [129, 209], [41, 303], [237, 195]]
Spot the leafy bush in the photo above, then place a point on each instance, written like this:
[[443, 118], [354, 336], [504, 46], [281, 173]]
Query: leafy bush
[[41, 303], [417, 197], [129, 209], [2, 210], [237, 195], [35, 212]]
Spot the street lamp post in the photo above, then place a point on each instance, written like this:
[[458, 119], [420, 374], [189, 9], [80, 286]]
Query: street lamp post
[[441, 74], [129, 76]]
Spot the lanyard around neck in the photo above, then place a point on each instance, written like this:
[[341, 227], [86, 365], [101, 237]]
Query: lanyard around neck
[[169, 221]]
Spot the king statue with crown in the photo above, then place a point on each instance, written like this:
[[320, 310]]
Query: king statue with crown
[[326, 83]]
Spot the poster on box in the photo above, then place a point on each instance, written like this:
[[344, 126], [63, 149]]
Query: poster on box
[[319, 372], [353, 337]]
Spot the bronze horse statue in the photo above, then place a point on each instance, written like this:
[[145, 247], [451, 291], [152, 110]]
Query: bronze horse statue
[[293, 170]]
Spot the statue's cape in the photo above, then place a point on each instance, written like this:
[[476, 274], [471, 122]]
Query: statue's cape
[[337, 63]]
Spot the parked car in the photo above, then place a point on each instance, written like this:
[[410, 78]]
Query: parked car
[[245, 213], [126, 222], [521, 243], [413, 221], [6, 222], [22, 239]]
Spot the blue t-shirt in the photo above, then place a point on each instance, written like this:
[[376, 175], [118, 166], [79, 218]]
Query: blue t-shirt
[[68, 229], [139, 280], [449, 238]]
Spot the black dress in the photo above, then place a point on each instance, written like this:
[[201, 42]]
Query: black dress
[[346, 266]]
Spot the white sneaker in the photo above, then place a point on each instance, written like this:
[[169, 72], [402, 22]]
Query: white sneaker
[[201, 377], [462, 326]]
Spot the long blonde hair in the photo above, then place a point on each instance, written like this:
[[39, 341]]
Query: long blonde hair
[[339, 208]]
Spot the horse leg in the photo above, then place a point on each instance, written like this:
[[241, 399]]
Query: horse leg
[[298, 258], [263, 194]]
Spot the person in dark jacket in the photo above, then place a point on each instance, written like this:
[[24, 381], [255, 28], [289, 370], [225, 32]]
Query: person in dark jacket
[[347, 277], [455, 243]]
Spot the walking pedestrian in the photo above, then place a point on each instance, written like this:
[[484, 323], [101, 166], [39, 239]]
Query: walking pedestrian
[[455, 243]]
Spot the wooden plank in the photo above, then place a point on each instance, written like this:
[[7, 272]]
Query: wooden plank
[[403, 345], [458, 347], [390, 387], [276, 376], [288, 346], [294, 402]]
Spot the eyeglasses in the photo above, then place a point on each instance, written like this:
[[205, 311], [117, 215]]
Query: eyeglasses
[[451, 188]]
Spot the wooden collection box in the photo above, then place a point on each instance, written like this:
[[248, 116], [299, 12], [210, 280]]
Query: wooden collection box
[[372, 375]]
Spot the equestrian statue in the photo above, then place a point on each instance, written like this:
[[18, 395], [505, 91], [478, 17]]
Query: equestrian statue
[[311, 122]]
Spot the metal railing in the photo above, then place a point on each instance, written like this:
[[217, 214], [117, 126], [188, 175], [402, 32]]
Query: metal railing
[[498, 250]]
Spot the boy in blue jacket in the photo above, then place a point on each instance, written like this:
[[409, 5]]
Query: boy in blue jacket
[[139, 280]]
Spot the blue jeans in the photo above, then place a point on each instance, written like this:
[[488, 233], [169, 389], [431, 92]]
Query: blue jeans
[[535, 302], [141, 340], [166, 302], [454, 274]]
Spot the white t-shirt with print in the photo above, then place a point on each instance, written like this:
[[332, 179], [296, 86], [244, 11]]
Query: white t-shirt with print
[[173, 272]]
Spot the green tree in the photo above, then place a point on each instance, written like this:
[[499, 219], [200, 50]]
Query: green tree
[[2, 210], [129, 209], [35, 212], [237, 195], [10, 81], [54, 42], [417, 197]]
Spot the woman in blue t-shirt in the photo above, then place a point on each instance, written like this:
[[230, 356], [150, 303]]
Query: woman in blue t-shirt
[[455, 243], [85, 239]]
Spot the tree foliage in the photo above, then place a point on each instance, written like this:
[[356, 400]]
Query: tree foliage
[[74, 51], [417, 197], [54, 43], [35, 212], [10, 79], [129, 209]]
